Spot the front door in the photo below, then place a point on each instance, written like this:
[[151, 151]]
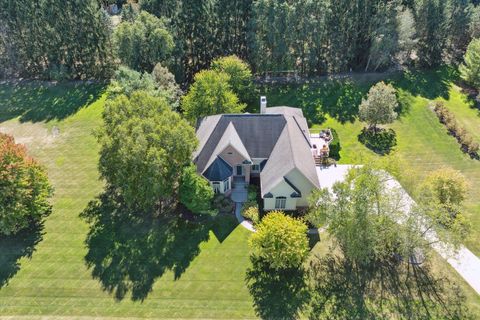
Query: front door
[[239, 170]]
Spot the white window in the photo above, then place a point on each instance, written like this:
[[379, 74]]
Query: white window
[[255, 168], [216, 187], [280, 202], [226, 185]]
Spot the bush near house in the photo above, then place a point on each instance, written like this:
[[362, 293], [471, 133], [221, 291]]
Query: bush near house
[[250, 211], [335, 145], [223, 204], [281, 241], [461, 134]]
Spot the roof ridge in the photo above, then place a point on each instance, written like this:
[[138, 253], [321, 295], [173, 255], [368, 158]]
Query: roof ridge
[[300, 128]]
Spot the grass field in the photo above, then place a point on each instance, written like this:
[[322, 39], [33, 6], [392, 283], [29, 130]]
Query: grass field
[[69, 269], [208, 282], [421, 140]]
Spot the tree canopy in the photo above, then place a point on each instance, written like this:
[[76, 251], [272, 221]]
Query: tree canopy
[[195, 191], [241, 78], [380, 105], [143, 43], [470, 69], [55, 39], [160, 83], [144, 148], [280, 241], [24, 188], [210, 94]]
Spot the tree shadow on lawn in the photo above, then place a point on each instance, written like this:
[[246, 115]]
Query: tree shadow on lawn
[[337, 98], [42, 101], [128, 252], [277, 294], [15, 247], [381, 142], [390, 291], [430, 84]]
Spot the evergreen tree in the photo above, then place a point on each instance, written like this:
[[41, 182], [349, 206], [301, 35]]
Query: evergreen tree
[[55, 38], [431, 27]]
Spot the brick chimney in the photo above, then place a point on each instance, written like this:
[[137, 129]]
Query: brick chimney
[[263, 104]]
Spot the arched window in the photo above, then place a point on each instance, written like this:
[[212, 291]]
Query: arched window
[[280, 202], [216, 186]]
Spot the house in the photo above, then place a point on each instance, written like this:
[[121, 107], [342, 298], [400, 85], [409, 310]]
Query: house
[[273, 146]]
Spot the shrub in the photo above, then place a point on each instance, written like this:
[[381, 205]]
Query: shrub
[[467, 140], [252, 192], [463, 137], [223, 204], [335, 146], [473, 148], [250, 212], [281, 241]]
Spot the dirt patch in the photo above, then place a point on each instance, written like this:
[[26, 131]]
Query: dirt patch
[[32, 135]]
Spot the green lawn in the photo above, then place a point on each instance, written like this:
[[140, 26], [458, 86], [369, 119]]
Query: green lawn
[[421, 140], [208, 282], [153, 270]]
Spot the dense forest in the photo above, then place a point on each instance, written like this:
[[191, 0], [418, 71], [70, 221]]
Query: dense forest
[[76, 39]]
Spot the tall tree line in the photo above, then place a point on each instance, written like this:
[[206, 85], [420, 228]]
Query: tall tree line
[[54, 38], [317, 36], [72, 38]]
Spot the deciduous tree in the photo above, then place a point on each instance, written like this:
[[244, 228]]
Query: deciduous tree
[[280, 240], [241, 79], [380, 105], [144, 148], [144, 42], [210, 94], [195, 191], [24, 188]]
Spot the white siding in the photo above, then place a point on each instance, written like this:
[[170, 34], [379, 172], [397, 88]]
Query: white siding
[[283, 189]]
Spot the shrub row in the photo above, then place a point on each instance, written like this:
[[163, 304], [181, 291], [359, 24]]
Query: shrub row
[[463, 137]]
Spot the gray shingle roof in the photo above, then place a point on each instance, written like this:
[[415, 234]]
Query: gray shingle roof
[[281, 135]]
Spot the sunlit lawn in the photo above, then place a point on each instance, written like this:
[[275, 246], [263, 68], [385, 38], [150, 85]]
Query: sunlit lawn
[[205, 277], [56, 280], [421, 140]]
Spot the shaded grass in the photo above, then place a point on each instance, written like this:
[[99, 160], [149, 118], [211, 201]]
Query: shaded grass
[[56, 280], [421, 140]]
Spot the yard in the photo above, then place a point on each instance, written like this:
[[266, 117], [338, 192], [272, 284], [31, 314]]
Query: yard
[[201, 276], [175, 269], [421, 140]]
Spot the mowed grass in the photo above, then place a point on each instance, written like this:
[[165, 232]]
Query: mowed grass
[[55, 280], [421, 140]]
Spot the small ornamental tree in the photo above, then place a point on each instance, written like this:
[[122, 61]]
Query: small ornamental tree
[[144, 148], [195, 191], [210, 94], [241, 78], [24, 188], [379, 107], [470, 69], [280, 241], [442, 195]]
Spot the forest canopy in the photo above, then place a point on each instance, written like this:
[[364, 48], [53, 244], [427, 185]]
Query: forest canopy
[[310, 37]]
